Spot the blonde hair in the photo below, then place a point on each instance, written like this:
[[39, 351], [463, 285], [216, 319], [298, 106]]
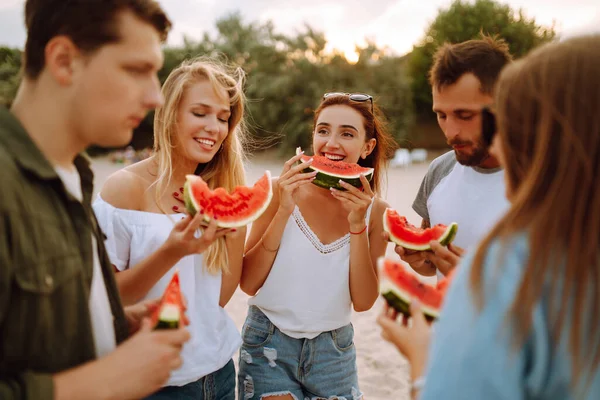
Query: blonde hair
[[549, 131], [226, 169]]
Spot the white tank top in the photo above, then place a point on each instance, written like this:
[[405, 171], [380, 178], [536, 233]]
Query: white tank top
[[134, 235], [307, 291]]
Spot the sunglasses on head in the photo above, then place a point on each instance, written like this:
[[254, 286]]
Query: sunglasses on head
[[358, 97], [488, 126]]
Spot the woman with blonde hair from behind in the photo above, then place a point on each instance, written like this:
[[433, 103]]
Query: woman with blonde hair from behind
[[522, 318], [198, 130]]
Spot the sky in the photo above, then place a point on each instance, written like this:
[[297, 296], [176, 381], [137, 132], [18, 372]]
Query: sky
[[396, 24]]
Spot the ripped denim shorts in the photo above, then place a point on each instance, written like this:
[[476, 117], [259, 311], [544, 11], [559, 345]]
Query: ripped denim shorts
[[272, 363]]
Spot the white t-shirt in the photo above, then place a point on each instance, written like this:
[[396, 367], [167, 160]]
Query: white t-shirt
[[100, 311], [473, 197]]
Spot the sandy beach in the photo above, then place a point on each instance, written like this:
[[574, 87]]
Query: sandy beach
[[383, 372]]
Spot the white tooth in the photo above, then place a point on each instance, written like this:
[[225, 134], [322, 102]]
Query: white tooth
[[206, 141]]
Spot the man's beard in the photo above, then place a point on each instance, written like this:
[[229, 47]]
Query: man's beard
[[476, 157]]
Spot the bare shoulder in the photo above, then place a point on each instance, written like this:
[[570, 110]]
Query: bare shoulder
[[125, 188]]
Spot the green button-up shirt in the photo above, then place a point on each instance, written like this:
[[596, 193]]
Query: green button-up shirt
[[46, 268]]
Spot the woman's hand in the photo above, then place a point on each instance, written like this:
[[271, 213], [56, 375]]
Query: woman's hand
[[355, 201], [290, 180], [412, 341], [184, 239]]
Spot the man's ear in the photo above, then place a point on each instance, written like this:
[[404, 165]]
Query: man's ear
[[368, 148], [61, 55]]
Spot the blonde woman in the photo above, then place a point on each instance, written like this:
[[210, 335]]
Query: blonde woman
[[199, 129], [521, 317]]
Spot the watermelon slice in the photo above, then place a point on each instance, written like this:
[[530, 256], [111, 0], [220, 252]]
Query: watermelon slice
[[399, 287], [169, 313], [410, 237], [330, 172], [241, 207]]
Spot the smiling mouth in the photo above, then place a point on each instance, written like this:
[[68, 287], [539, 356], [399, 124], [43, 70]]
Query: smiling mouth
[[334, 157], [205, 142]]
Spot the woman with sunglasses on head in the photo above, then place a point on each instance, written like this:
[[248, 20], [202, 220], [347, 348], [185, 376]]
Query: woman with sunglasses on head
[[311, 258], [521, 319]]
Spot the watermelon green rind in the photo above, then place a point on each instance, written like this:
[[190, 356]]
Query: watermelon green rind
[[328, 179], [449, 235], [192, 207], [169, 317], [445, 239], [399, 299], [190, 204]]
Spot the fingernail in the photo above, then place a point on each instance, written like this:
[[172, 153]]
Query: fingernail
[[175, 194], [175, 208], [341, 182], [233, 230], [201, 211], [181, 189], [309, 161]]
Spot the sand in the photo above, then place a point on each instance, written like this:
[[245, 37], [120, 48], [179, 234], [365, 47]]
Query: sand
[[383, 372]]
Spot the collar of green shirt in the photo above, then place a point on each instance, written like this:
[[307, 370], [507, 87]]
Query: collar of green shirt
[[29, 156]]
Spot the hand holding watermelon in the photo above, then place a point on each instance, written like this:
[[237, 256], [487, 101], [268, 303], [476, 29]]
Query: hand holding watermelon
[[444, 258], [417, 259], [355, 201], [412, 340], [183, 241], [146, 360], [291, 179]]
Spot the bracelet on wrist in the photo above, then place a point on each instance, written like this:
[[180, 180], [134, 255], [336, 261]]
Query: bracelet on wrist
[[359, 232]]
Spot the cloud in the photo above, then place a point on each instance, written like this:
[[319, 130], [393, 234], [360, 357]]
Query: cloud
[[397, 24]]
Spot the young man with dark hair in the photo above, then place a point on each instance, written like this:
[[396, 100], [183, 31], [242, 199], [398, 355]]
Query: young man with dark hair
[[89, 78], [465, 185]]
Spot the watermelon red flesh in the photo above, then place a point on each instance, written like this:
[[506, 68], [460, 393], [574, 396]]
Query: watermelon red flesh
[[169, 312], [400, 286], [239, 208], [410, 237], [330, 172]]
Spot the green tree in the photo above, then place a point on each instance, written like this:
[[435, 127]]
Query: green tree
[[463, 21], [10, 65]]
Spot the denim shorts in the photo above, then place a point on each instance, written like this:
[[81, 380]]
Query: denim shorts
[[219, 385], [272, 363]]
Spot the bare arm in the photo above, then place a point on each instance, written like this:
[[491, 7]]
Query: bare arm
[[134, 283], [364, 285], [235, 256], [146, 359], [262, 245], [267, 231]]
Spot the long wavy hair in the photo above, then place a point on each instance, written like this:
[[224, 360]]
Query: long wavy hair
[[547, 108], [375, 128], [226, 169]]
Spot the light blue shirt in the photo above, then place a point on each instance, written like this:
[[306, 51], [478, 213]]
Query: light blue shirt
[[472, 355]]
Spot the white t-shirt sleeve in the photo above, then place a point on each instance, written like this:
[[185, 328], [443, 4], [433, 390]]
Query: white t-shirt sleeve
[[438, 169], [118, 234]]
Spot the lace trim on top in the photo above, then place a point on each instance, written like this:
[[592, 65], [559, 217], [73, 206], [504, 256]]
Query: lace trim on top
[[310, 235]]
